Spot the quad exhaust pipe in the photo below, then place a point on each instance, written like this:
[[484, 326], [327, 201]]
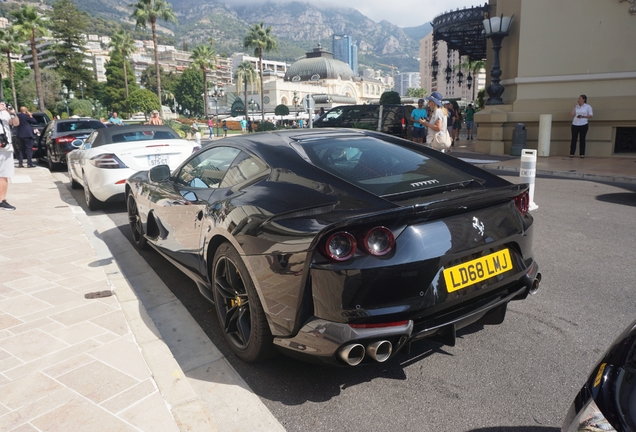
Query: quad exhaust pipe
[[353, 354]]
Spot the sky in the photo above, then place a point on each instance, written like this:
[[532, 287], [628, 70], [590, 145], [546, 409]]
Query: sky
[[402, 13]]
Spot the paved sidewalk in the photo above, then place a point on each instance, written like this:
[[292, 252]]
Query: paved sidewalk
[[132, 361]]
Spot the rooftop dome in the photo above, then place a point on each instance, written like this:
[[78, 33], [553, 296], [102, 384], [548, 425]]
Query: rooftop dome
[[318, 64]]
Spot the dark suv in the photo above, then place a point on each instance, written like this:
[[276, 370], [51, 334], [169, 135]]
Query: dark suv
[[55, 141], [390, 119]]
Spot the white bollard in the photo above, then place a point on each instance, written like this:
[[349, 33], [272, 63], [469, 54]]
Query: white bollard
[[545, 127], [527, 172]]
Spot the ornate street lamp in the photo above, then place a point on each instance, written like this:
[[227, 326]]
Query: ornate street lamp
[[81, 86], [434, 67], [496, 28], [449, 73], [66, 95], [460, 78], [469, 81], [252, 105], [215, 95]]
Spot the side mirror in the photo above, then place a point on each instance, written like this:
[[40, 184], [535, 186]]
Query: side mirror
[[189, 195], [77, 143], [159, 174]]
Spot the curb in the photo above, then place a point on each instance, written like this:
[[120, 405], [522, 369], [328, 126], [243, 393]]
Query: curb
[[564, 174]]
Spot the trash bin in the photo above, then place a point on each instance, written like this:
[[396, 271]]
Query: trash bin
[[518, 139]]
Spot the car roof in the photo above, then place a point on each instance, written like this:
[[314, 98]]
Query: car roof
[[105, 135]]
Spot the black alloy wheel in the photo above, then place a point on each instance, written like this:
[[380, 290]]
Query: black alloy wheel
[[74, 184], [136, 226], [238, 307], [49, 159], [92, 202]]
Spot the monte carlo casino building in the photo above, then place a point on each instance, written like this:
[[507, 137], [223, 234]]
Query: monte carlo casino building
[[555, 50], [331, 82]]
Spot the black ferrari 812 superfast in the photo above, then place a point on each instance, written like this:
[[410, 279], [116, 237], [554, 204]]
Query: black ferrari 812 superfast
[[338, 246]]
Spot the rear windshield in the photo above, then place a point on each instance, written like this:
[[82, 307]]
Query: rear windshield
[[381, 167], [142, 136], [79, 125]]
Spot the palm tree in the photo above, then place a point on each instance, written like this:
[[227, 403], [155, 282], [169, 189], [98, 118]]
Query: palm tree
[[147, 11], [124, 43], [204, 57], [30, 24], [261, 39], [10, 43], [245, 73]]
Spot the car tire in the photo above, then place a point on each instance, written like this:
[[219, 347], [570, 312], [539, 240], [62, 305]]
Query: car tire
[[52, 165], [74, 184], [238, 307], [136, 227], [92, 202]]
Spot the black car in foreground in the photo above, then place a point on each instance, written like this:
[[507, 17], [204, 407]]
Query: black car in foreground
[[607, 401], [338, 246], [56, 138]]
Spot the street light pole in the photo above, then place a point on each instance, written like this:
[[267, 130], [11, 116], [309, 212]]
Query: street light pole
[[66, 95], [217, 94], [496, 28]]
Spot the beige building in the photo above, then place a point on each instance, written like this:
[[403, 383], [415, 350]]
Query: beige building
[[556, 51]]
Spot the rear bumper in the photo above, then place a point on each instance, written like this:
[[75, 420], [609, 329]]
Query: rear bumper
[[322, 341]]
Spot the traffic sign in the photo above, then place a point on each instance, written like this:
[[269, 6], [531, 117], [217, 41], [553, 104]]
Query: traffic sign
[[309, 103]]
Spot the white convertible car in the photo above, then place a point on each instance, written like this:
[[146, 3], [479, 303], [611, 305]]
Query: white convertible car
[[102, 163]]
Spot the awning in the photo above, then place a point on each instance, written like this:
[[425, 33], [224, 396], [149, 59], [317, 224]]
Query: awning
[[463, 31]]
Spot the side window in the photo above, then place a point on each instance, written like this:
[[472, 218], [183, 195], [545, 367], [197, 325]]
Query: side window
[[244, 168], [207, 169], [88, 143], [333, 115]]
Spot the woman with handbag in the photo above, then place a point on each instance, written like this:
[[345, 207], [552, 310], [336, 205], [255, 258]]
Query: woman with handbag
[[437, 134]]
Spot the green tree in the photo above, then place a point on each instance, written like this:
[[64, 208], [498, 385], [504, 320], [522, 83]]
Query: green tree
[[261, 39], [10, 43], [204, 58], [148, 79], [80, 107], [416, 92], [143, 100], [473, 66], [68, 25], [124, 43], [245, 73], [30, 24], [187, 90], [390, 98], [115, 91], [281, 110], [147, 11], [51, 83]]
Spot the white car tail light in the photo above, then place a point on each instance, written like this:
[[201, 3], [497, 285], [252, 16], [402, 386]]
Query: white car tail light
[[108, 161]]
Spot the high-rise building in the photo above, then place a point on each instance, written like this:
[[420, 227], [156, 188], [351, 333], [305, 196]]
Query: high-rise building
[[345, 49], [405, 81]]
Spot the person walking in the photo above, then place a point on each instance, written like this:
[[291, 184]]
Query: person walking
[[418, 115], [580, 113], [249, 126], [450, 121], [25, 137], [6, 156], [211, 127], [224, 128], [457, 127], [470, 121], [438, 119], [243, 126], [155, 119]]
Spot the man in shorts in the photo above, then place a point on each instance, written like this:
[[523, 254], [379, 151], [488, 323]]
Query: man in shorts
[[6, 156], [419, 131]]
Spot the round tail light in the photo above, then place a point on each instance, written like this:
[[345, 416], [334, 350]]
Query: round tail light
[[379, 241], [340, 246]]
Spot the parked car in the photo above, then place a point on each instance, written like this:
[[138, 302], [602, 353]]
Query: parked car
[[391, 119], [607, 401], [42, 120], [338, 246], [102, 163], [57, 136]]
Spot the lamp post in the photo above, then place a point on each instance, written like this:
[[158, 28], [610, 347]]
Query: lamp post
[[215, 95], [460, 78], [496, 28], [448, 72], [252, 105], [434, 67], [66, 95], [295, 101], [81, 86]]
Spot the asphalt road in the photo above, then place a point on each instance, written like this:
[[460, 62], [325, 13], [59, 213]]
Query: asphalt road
[[519, 376]]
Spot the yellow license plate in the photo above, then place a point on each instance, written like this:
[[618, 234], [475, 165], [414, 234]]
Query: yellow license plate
[[477, 270]]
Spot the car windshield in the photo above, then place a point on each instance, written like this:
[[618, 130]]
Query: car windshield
[[381, 167], [79, 125], [142, 135]]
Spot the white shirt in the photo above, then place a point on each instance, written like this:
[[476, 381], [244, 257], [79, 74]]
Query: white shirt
[[584, 109], [4, 117], [437, 114]]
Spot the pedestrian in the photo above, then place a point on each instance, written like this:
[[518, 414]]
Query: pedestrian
[[197, 133], [249, 126], [25, 137], [243, 125], [470, 119], [457, 126], [580, 113], [224, 128], [6, 155], [155, 119], [418, 115], [450, 121], [438, 118], [114, 119], [211, 127], [301, 123]]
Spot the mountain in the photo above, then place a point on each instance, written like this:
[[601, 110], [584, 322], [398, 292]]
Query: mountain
[[298, 26]]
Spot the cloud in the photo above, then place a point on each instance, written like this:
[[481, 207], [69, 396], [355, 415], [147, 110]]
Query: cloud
[[405, 13]]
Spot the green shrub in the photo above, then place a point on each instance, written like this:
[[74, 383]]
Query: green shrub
[[265, 126]]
